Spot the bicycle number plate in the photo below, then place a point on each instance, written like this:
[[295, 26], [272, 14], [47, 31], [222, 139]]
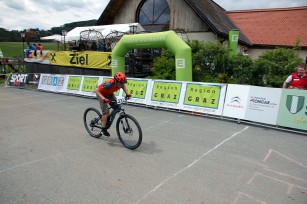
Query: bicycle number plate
[[120, 101]]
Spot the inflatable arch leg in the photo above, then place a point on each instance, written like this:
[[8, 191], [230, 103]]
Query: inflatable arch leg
[[168, 39]]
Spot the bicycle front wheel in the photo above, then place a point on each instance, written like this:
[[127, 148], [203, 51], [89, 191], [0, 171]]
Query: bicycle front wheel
[[92, 122], [129, 131]]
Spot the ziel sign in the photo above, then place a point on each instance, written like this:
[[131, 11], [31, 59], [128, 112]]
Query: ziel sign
[[86, 59], [75, 59]]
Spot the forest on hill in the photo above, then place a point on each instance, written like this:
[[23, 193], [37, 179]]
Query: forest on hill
[[34, 34]]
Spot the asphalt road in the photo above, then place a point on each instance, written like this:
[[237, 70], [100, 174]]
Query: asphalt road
[[46, 156]]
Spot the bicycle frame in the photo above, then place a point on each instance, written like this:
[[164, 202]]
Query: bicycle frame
[[127, 127], [116, 110]]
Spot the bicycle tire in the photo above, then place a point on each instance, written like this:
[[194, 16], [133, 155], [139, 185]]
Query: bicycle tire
[[92, 117], [126, 126]]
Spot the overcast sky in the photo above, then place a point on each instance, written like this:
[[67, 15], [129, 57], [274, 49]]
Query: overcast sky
[[45, 14]]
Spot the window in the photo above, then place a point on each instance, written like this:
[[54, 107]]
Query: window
[[154, 15]]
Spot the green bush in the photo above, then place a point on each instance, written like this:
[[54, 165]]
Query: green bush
[[212, 64], [209, 60], [277, 65], [164, 68], [240, 68]]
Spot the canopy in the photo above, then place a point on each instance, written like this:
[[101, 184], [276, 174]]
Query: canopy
[[74, 34], [55, 37]]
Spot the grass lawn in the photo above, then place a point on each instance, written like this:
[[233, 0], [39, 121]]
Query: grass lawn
[[14, 49]]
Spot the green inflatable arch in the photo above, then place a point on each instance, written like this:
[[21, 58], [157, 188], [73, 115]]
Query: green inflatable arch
[[168, 39]]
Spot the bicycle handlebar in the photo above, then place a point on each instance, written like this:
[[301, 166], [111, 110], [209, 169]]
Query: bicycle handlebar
[[119, 101]]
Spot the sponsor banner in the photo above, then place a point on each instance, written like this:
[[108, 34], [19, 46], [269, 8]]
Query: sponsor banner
[[74, 83], [139, 88], [55, 83], [33, 79], [233, 39], [236, 101], [283, 107], [263, 104], [89, 84], [18, 80], [293, 109], [204, 98], [86, 59], [166, 94], [41, 57]]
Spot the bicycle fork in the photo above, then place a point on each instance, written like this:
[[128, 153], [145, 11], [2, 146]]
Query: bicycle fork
[[125, 125]]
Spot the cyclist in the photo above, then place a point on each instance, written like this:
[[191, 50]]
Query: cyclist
[[105, 94]]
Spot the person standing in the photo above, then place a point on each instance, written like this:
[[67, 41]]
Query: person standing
[[297, 80], [94, 46], [29, 50], [40, 48], [34, 48]]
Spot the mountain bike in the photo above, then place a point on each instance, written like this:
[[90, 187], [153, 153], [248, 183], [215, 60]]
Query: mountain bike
[[128, 128]]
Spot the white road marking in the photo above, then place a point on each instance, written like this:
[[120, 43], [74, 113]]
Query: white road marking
[[190, 165]]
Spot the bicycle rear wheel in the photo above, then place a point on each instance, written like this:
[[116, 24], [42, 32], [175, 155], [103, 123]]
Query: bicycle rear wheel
[[129, 131], [92, 122]]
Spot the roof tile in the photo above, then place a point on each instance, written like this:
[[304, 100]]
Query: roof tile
[[273, 26]]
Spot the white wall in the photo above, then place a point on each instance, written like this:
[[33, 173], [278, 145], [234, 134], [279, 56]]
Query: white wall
[[255, 53], [202, 36]]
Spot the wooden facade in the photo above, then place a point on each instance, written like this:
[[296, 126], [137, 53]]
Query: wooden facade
[[181, 16], [192, 16]]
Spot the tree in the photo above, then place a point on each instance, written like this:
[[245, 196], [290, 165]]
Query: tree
[[35, 33], [277, 64], [208, 61], [240, 68], [164, 66], [208, 64], [212, 64]]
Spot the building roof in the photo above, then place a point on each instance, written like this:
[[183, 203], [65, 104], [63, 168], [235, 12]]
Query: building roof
[[208, 11], [280, 26]]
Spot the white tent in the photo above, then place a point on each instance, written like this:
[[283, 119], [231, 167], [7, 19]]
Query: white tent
[[55, 37], [74, 34]]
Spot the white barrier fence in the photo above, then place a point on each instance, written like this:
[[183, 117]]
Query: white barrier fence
[[272, 106]]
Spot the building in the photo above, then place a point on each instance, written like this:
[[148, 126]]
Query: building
[[199, 19], [271, 28], [205, 20]]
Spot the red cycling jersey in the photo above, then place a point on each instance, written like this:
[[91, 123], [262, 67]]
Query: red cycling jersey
[[108, 87], [299, 82]]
